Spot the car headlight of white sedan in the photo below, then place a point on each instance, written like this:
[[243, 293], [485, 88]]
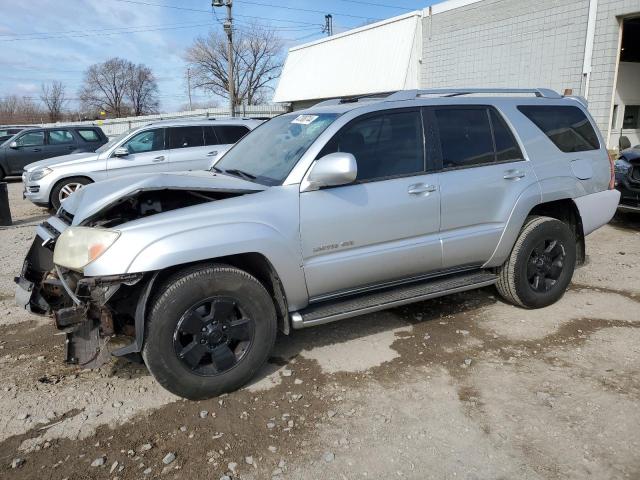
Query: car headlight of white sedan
[[39, 173], [77, 247]]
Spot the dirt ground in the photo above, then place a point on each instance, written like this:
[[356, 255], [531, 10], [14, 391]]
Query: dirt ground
[[464, 387]]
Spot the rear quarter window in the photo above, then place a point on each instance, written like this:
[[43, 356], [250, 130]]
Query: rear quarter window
[[89, 135], [566, 126], [228, 134]]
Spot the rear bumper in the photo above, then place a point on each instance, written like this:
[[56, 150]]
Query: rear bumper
[[597, 209]]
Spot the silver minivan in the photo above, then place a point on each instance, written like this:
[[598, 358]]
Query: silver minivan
[[165, 146]]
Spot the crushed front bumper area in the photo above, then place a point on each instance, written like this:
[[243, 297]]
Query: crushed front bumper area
[[77, 304]]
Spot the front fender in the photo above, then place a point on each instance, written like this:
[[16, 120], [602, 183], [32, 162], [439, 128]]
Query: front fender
[[206, 243]]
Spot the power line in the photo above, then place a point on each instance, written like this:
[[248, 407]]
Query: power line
[[379, 5], [285, 7], [104, 34], [175, 7], [102, 29]]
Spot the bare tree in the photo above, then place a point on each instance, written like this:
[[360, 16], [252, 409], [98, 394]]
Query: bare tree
[[15, 109], [53, 96], [257, 59], [142, 90], [105, 87]]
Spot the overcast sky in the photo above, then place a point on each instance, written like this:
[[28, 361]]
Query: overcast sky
[[44, 40]]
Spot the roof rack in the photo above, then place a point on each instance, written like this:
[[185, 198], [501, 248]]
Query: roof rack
[[455, 92], [447, 92]]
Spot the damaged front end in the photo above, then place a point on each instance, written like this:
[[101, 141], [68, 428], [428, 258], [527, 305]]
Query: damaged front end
[[91, 310], [83, 308]]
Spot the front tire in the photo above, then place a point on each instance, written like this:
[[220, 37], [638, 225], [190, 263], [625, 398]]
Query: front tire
[[210, 329], [64, 188], [541, 264]]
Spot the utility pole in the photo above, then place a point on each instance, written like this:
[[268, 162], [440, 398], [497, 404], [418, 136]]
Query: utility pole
[[328, 24], [228, 28], [189, 87]]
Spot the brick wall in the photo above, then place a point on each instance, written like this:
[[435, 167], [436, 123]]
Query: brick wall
[[521, 43], [507, 43]]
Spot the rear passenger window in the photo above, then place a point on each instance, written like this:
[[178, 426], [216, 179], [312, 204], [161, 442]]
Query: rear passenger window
[[506, 147], [89, 135], [386, 145], [465, 136], [60, 137], [230, 133], [566, 126], [185, 137]]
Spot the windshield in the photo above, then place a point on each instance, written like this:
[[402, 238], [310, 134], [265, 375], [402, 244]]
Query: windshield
[[112, 142], [268, 153]]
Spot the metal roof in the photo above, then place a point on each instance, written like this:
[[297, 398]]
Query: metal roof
[[380, 57]]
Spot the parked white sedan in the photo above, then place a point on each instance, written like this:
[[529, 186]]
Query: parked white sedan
[[156, 147]]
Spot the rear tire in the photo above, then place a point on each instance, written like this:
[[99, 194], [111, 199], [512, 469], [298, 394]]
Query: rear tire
[[64, 188], [541, 264], [210, 329]]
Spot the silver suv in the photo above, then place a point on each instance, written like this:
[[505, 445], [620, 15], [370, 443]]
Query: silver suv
[[349, 207], [165, 146]]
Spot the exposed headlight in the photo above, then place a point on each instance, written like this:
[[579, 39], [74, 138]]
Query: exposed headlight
[[77, 247], [622, 166], [39, 173]]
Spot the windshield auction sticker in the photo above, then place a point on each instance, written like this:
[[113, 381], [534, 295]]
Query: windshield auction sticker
[[304, 119]]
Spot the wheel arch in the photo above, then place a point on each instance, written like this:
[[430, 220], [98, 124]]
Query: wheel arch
[[67, 177], [566, 211], [253, 263]]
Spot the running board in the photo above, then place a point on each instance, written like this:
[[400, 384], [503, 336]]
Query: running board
[[331, 311]]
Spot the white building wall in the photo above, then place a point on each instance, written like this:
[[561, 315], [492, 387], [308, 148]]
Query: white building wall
[[506, 43], [521, 43]]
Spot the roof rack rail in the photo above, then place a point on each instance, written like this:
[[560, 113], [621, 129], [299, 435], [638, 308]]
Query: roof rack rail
[[447, 92], [355, 98], [454, 92]]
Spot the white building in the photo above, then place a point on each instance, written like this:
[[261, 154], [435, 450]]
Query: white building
[[588, 47]]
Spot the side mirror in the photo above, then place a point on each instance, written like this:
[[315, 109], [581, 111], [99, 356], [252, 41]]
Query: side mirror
[[121, 152], [332, 170], [13, 145]]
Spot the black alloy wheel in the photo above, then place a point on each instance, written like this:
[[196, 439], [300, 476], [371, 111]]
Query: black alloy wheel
[[213, 336], [545, 265]]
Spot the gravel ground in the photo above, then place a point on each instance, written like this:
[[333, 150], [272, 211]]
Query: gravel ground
[[461, 387]]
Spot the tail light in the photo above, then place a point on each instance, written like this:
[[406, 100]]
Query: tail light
[[612, 180]]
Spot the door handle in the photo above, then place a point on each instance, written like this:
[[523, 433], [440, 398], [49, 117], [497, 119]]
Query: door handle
[[212, 154], [420, 188], [513, 174], [159, 159], [36, 149]]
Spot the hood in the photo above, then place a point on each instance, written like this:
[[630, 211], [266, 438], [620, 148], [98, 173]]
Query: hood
[[64, 160], [93, 198]]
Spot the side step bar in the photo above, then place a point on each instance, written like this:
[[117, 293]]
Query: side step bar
[[333, 310]]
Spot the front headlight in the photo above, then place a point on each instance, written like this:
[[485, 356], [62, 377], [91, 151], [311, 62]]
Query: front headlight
[[39, 174], [622, 166], [77, 247]]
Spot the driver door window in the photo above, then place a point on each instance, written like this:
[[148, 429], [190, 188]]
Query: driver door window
[[385, 146], [147, 141], [147, 154], [31, 139]]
